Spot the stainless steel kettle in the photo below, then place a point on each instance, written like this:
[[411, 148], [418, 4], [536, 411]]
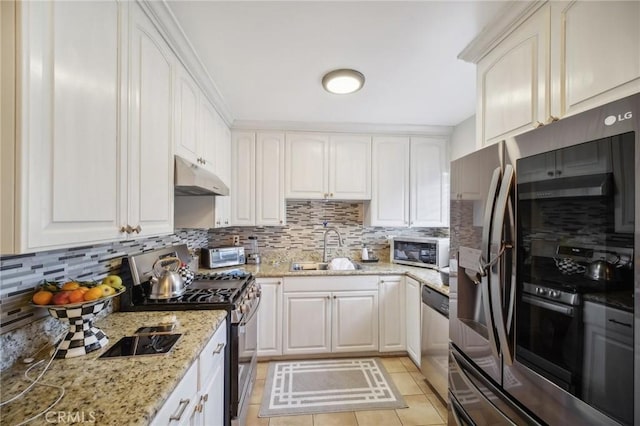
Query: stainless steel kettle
[[167, 282], [602, 270]]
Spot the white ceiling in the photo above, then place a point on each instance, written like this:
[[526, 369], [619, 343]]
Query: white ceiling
[[268, 58]]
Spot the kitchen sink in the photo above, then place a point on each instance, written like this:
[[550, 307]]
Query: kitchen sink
[[315, 266]]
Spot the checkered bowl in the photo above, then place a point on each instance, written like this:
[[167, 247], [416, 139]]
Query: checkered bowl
[[82, 337]]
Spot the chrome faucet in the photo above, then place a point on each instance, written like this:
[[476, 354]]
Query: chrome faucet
[[324, 248]]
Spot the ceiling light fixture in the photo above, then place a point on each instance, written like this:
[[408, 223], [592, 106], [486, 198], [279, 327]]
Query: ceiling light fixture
[[343, 81]]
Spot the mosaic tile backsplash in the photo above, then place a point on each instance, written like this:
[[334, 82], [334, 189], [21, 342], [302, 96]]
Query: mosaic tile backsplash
[[302, 236]]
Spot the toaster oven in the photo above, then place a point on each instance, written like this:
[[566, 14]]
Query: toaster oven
[[423, 252], [219, 257]]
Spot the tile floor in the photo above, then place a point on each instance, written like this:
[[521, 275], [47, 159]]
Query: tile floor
[[424, 406]]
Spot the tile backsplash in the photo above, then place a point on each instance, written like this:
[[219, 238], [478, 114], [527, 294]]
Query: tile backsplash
[[303, 233]]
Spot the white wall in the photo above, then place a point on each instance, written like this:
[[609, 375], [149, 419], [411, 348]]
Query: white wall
[[463, 138]]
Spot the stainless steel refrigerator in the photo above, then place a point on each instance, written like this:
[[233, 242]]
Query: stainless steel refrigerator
[[545, 284]]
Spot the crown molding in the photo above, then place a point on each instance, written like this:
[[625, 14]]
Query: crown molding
[[493, 33], [405, 129], [164, 19]]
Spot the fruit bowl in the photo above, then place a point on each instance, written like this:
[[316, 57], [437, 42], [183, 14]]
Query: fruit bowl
[[82, 337]]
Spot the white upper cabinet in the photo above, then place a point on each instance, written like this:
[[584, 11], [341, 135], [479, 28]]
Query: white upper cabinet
[[187, 103], [150, 153], [223, 170], [69, 169], [328, 166], [209, 134], [564, 58], [269, 180], [429, 182], [307, 165], [389, 204], [410, 181], [349, 167], [257, 186], [512, 81], [243, 176], [595, 55]]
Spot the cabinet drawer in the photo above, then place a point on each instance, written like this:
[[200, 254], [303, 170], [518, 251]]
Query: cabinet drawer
[[212, 354], [182, 401], [334, 283]]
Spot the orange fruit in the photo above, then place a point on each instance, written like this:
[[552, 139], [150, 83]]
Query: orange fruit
[[76, 296], [83, 289], [42, 297], [94, 293], [71, 285]]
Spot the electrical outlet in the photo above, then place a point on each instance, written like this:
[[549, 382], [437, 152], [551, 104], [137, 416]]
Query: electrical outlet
[[236, 240]]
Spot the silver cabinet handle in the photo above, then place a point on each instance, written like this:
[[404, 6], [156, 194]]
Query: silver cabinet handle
[[218, 349], [184, 403]]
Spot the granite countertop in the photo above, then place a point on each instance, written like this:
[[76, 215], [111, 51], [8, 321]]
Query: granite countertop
[[428, 276], [113, 391], [616, 299]]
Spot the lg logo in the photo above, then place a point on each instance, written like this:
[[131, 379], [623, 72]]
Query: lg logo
[[612, 119]]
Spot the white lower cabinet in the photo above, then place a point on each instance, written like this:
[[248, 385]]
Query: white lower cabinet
[[330, 314], [199, 397], [393, 329], [270, 317], [413, 299]]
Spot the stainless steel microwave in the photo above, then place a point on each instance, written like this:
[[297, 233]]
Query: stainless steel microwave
[[423, 252]]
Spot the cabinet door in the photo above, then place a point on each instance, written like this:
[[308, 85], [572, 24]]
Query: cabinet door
[[72, 172], [186, 104], [350, 167], [150, 153], [392, 314], [513, 81], [270, 202], [355, 321], [223, 170], [596, 53], [243, 155], [270, 317], [208, 135], [413, 308], [307, 323], [306, 166], [429, 199], [389, 204], [211, 380], [584, 159]]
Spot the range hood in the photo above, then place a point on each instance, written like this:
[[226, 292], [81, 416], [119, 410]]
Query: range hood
[[191, 179], [597, 185]]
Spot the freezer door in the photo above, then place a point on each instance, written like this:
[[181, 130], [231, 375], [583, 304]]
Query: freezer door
[[475, 400]]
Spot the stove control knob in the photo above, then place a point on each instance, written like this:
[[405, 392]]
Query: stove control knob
[[244, 308], [252, 294], [555, 294], [541, 291]]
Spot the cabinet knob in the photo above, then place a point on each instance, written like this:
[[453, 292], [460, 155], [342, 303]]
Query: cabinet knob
[[280, 222], [382, 281], [328, 297], [205, 397], [552, 118], [539, 124], [226, 222], [123, 229], [278, 283], [550, 173], [335, 297], [558, 172], [331, 194], [137, 229]]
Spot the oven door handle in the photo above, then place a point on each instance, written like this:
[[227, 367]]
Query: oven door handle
[[502, 234], [564, 310]]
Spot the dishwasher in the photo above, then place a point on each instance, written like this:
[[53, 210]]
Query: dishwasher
[[435, 340]]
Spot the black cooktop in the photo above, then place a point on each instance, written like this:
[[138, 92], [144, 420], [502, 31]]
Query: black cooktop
[[141, 345]]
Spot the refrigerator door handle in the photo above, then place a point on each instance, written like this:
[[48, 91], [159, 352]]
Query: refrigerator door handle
[[502, 271], [486, 279]]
